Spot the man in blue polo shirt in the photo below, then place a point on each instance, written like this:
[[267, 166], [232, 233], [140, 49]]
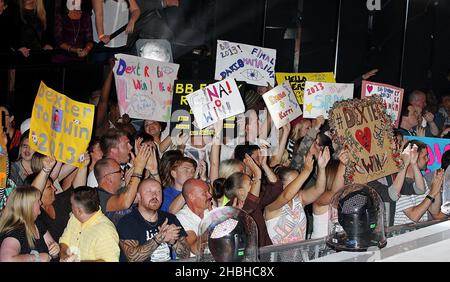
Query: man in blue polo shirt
[[149, 234]]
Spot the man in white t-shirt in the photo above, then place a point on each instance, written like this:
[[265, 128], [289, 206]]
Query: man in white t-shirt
[[198, 201]]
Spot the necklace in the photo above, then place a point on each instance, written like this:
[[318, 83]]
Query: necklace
[[78, 31], [24, 169], [152, 224]]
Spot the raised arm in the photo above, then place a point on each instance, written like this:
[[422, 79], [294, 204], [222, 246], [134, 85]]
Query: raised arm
[[41, 179], [276, 159], [256, 171], [436, 185], [292, 189], [396, 187], [271, 176], [418, 178], [306, 143], [338, 181], [265, 127], [135, 13], [102, 107], [152, 165], [81, 176], [126, 198], [312, 194], [214, 157], [429, 117]]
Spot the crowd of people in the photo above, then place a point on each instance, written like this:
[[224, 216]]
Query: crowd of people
[[142, 192], [138, 197]]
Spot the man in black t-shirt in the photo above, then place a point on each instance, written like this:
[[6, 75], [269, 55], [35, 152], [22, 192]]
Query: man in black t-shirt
[[148, 234]]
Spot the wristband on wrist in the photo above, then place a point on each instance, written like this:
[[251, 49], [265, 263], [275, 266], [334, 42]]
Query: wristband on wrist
[[47, 171], [156, 241], [35, 253], [101, 36]]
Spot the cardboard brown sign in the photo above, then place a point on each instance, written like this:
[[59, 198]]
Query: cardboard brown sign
[[366, 130]]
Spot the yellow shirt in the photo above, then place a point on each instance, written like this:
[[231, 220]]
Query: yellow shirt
[[96, 239]]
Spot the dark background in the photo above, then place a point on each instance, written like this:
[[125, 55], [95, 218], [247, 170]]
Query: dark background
[[414, 57]]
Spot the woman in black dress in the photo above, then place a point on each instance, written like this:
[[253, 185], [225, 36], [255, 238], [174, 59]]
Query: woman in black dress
[[22, 236]]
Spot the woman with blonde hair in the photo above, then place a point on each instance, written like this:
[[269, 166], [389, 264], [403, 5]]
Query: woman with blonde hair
[[32, 27], [23, 238]]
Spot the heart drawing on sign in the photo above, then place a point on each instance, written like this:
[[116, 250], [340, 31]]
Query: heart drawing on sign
[[364, 138], [369, 88]]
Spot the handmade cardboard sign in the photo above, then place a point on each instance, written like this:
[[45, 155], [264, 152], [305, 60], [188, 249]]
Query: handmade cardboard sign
[[282, 105], [252, 64], [363, 127], [436, 147], [392, 97], [215, 102], [320, 97], [298, 81], [182, 117], [144, 87], [60, 126]]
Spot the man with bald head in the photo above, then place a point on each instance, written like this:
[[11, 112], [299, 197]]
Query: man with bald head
[[149, 234], [198, 202], [418, 99]]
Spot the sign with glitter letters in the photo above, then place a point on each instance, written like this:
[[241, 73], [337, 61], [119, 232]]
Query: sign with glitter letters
[[365, 130]]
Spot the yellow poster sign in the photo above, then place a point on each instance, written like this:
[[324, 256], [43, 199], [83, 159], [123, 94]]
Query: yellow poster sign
[[60, 126], [298, 80]]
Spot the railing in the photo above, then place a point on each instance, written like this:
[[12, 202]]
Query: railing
[[312, 249]]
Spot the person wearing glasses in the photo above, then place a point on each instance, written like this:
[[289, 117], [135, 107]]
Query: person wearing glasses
[[116, 201]]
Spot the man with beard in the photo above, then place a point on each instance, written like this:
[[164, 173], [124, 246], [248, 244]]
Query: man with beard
[[149, 234]]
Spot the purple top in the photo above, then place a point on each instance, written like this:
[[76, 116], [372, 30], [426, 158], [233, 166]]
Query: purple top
[[76, 33]]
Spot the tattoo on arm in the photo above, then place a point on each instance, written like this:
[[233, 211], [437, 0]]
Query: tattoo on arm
[[136, 252], [181, 248]]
